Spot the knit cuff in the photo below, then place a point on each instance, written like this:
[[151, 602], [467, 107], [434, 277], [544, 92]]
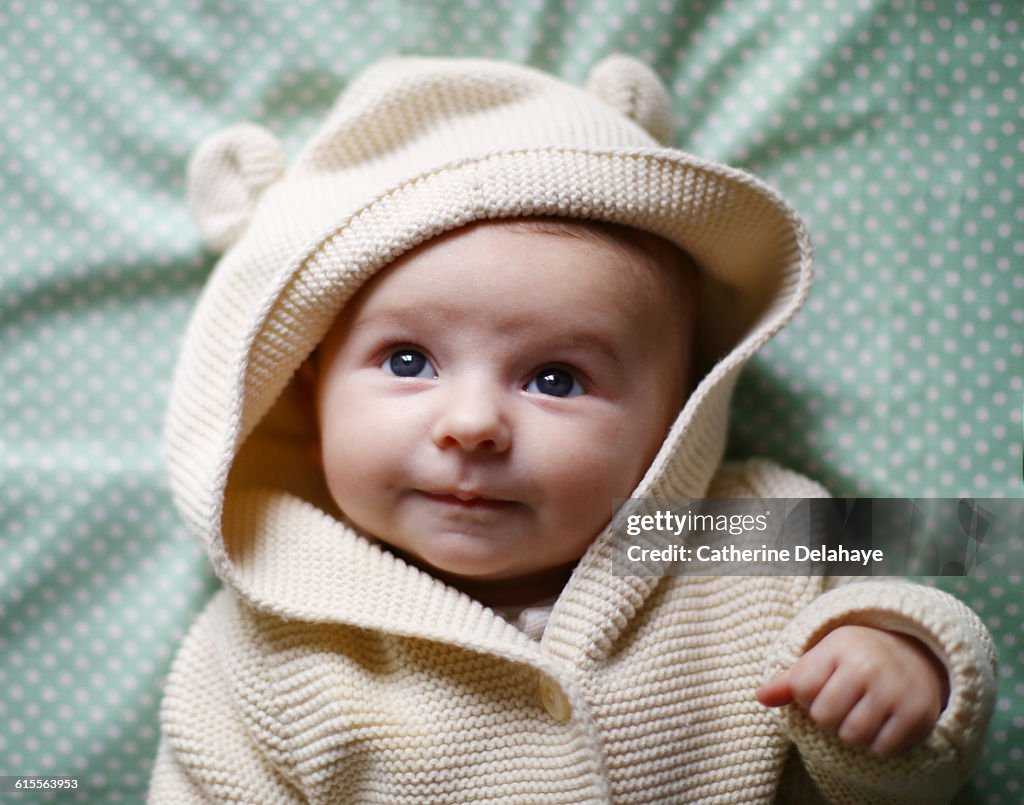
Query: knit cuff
[[933, 770]]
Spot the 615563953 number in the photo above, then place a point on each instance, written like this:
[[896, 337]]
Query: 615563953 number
[[32, 783]]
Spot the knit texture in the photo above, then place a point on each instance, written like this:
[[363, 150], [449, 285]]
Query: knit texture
[[408, 691], [328, 669]]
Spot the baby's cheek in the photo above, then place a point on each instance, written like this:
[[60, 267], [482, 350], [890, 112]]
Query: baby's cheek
[[630, 450], [349, 462], [598, 465]]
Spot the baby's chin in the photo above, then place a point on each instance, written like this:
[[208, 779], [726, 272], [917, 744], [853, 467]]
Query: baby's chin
[[468, 557], [494, 580]]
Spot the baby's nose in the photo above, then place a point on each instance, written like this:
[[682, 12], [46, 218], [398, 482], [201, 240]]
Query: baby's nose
[[473, 418]]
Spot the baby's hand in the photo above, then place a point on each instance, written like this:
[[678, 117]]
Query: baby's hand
[[872, 688]]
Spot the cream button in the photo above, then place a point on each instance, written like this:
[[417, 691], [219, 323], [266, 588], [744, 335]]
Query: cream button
[[554, 700]]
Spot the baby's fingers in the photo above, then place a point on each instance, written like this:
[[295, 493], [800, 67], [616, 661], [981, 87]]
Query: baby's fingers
[[776, 692], [809, 675], [901, 731], [866, 723], [836, 701]]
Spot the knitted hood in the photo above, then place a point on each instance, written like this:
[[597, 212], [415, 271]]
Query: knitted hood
[[414, 148]]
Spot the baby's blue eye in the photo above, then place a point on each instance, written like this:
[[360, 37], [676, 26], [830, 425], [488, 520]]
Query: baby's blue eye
[[555, 382], [408, 363]]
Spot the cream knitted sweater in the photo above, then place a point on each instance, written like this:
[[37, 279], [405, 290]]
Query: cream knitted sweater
[[330, 671], [641, 690]]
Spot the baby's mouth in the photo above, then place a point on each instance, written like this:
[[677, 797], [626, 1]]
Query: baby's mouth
[[470, 501]]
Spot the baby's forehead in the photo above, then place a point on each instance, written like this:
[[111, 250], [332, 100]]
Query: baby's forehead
[[539, 266], [630, 241], [646, 254], [642, 251]]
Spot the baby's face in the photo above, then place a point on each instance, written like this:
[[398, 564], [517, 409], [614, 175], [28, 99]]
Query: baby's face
[[483, 399]]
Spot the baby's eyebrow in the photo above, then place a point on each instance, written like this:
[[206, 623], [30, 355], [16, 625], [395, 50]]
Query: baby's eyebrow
[[439, 320], [387, 316], [594, 342]]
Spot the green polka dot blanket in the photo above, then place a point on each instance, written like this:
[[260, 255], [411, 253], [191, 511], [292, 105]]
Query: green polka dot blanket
[[893, 126]]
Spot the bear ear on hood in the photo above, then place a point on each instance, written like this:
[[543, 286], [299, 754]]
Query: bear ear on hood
[[226, 177], [635, 90]]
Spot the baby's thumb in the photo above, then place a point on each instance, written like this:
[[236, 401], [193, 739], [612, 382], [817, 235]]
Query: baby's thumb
[[776, 692]]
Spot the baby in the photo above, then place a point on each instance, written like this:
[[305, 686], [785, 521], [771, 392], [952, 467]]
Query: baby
[[480, 307], [477, 418]]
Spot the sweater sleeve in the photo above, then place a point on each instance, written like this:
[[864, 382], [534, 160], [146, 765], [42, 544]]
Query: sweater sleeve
[[206, 754], [935, 768]]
